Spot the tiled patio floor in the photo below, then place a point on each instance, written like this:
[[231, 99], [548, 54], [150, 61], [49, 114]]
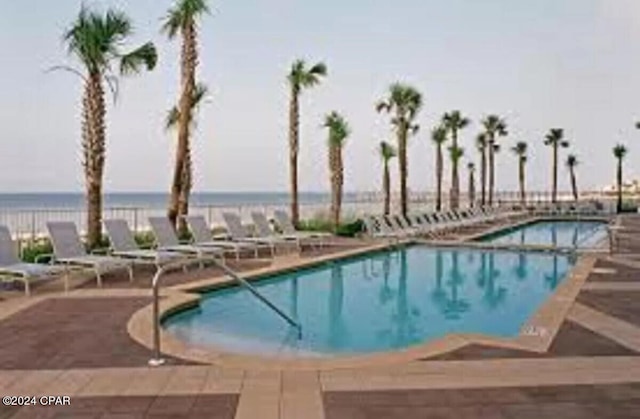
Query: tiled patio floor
[[77, 345]]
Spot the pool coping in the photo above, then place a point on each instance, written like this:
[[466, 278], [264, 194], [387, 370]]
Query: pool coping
[[536, 335]]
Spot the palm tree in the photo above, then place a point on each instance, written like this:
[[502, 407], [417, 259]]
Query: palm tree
[[494, 127], [572, 163], [520, 150], [472, 184], [405, 103], [387, 152], [338, 132], [439, 137], [300, 77], [481, 145], [619, 152], [182, 19], [200, 93], [96, 39], [555, 139], [453, 122], [455, 154]]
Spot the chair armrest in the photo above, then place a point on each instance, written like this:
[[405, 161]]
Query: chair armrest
[[45, 256], [101, 251]]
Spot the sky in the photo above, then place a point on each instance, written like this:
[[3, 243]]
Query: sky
[[541, 64]]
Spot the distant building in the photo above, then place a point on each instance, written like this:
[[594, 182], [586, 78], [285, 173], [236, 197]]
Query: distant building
[[629, 187]]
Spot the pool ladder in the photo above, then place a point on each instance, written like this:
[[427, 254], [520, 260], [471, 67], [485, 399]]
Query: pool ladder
[[157, 359]]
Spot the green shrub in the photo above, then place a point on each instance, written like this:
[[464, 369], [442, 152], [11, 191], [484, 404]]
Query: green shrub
[[629, 206], [351, 229], [30, 251], [348, 228]]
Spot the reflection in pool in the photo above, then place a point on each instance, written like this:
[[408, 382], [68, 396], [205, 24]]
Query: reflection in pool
[[378, 302]]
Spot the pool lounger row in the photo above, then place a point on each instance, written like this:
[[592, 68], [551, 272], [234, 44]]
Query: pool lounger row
[[435, 224]]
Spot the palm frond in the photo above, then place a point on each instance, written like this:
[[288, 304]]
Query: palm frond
[[173, 116], [338, 128], [572, 161], [183, 13], [146, 56], [620, 151], [456, 153], [387, 151], [439, 135]]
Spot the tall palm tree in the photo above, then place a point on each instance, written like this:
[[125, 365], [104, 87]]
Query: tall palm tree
[[572, 163], [619, 152], [481, 145], [495, 127], [520, 150], [387, 152], [472, 184], [96, 39], [182, 19], [300, 77], [200, 93], [338, 132], [453, 122], [404, 102], [439, 137], [555, 140]]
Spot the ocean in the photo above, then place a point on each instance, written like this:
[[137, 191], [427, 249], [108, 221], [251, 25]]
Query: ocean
[[156, 200]]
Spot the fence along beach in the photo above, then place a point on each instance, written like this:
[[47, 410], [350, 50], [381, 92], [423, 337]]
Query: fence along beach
[[27, 214]]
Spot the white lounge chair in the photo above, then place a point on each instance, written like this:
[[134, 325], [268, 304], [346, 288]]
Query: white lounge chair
[[167, 240], [263, 229], [239, 233], [12, 269], [68, 250], [285, 223], [123, 245], [202, 236]]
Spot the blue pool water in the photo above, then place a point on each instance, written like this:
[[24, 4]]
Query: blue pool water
[[567, 234], [378, 302]]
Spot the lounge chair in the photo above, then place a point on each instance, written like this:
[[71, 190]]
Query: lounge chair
[[167, 240], [263, 229], [68, 250], [202, 237], [287, 227], [123, 245], [12, 269], [239, 233]]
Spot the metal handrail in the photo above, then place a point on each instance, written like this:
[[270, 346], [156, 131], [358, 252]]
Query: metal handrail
[[157, 359]]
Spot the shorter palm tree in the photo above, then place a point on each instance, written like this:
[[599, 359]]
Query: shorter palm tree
[[481, 145], [520, 150], [555, 140], [200, 93], [338, 132], [572, 163], [472, 184], [619, 152], [439, 137], [495, 127], [453, 122], [387, 152]]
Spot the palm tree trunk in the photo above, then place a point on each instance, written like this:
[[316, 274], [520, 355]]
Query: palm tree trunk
[[483, 176], [619, 181], [523, 194], [189, 59], [93, 132], [574, 185], [439, 178], [386, 188], [554, 187], [185, 193], [472, 189], [491, 171], [402, 163], [294, 122], [454, 196], [335, 168]]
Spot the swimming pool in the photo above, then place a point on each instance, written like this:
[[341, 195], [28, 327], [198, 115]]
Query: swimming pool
[[565, 234], [377, 302]]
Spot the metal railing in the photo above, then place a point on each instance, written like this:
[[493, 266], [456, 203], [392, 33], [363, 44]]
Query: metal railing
[[157, 359]]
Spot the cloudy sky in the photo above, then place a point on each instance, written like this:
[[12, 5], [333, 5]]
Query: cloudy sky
[[546, 63]]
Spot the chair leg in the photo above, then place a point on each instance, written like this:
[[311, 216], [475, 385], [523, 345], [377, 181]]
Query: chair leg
[[130, 270], [27, 288], [98, 277]]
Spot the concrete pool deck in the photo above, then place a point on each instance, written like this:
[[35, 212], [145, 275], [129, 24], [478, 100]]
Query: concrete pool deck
[[590, 368]]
